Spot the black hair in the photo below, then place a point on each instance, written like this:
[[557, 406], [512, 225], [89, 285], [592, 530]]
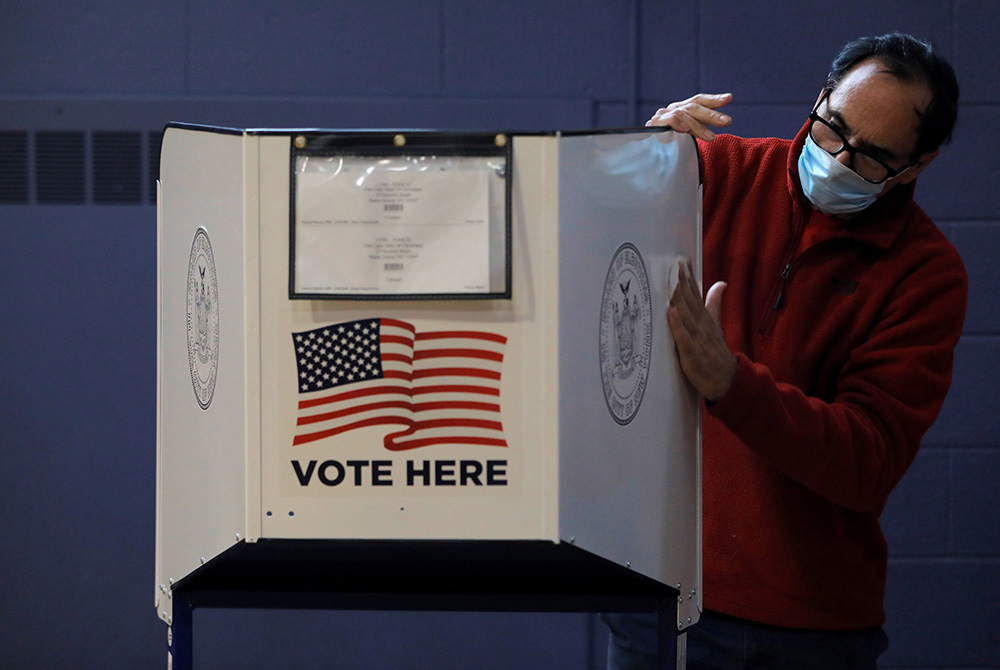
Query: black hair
[[910, 60]]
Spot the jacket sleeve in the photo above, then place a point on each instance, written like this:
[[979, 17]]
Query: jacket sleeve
[[854, 449]]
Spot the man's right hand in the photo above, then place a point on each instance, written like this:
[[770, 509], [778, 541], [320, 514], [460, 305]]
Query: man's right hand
[[694, 115]]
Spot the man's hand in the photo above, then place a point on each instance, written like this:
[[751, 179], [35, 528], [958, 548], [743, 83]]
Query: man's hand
[[697, 330], [694, 115]]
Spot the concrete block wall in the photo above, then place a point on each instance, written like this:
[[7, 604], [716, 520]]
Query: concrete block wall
[[77, 340]]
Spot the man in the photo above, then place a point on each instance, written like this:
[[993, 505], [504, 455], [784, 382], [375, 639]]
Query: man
[[840, 304]]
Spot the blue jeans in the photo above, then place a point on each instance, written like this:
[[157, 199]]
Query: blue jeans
[[720, 642]]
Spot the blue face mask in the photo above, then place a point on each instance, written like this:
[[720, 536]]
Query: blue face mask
[[831, 186]]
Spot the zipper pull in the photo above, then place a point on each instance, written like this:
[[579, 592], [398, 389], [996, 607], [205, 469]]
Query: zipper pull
[[781, 290]]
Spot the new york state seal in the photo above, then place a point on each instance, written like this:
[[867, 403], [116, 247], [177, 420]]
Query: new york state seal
[[626, 333], [202, 318]]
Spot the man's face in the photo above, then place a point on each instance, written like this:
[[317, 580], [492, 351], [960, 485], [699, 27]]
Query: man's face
[[880, 115]]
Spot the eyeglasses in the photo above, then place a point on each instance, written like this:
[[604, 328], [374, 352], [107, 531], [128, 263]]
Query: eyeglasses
[[833, 142]]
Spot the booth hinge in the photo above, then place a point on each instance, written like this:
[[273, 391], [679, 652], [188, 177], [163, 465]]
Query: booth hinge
[[688, 607]]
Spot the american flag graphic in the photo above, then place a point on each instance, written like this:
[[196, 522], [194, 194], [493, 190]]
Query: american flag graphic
[[442, 387]]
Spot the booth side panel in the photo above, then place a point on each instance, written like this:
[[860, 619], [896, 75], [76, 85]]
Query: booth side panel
[[537, 208], [160, 580], [629, 422], [201, 354], [548, 195], [352, 484], [252, 354]]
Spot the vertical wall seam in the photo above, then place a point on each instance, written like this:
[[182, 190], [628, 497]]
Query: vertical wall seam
[[953, 33], [949, 526], [634, 46], [697, 47], [186, 27], [442, 44]]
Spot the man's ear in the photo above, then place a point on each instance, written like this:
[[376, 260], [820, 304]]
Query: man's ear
[[922, 162]]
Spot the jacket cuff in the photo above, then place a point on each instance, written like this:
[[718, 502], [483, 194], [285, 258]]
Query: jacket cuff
[[732, 407]]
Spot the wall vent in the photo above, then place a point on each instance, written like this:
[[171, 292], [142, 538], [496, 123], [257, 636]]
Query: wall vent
[[59, 168], [76, 167], [153, 171], [117, 168], [13, 167]]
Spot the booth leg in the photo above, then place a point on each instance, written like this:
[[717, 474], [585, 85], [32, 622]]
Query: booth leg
[[180, 636], [667, 633]]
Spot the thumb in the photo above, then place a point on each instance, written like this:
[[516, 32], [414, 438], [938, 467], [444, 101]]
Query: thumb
[[713, 301]]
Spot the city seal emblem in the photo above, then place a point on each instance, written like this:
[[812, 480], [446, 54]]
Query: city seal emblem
[[626, 333], [202, 319]]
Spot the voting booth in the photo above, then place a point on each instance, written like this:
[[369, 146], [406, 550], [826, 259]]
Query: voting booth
[[414, 363]]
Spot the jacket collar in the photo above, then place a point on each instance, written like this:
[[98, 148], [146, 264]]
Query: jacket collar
[[879, 225]]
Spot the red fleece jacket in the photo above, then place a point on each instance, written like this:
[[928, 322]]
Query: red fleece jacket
[[844, 340]]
